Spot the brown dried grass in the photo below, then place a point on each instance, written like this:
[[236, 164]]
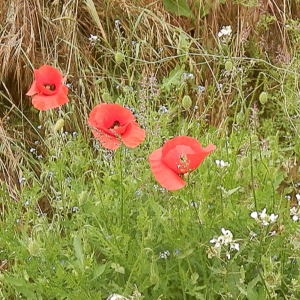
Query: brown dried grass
[[35, 32]]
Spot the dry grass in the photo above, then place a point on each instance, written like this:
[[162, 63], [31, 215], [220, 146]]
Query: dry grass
[[56, 32]]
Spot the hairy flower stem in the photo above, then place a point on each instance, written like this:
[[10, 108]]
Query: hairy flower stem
[[121, 187]]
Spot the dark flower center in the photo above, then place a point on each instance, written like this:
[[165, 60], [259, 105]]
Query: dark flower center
[[183, 166], [115, 125], [50, 87]]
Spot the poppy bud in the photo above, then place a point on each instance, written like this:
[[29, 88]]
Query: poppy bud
[[33, 247], [106, 97], [58, 125], [263, 98], [228, 65], [186, 102], [119, 57]]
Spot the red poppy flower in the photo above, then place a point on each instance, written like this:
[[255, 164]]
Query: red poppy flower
[[175, 158], [113, 124], [48, 90]]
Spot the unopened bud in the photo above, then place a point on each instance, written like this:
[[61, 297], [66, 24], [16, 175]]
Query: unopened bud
[[106, 97], [186, 102], [263, 98], [119, 57], [58, 125], [228, 65]]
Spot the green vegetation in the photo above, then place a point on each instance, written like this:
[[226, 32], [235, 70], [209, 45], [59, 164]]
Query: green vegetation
[[78, 221]]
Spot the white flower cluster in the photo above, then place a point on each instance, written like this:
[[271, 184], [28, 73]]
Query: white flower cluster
[[225, 240], [221, 163], [295, 210], [225, 31], [116, 297], [93, 39], [263, 218], [164, 254]]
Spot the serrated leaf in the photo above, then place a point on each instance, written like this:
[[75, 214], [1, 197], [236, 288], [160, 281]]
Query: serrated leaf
[[178, 7]]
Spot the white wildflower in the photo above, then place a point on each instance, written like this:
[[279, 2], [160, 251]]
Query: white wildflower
[[225, 31], [263, 218], [200, 89], [93, 39], [164, 254], [254, 215], [295, 213], [221, 163], [116, 297], [224, 241]]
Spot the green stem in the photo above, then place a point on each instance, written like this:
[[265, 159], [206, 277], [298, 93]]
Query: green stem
[[121, 189], [252, 173]]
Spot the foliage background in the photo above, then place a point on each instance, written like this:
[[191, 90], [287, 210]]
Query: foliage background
[[144, 52]]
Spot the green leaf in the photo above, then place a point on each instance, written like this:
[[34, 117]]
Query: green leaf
[[78, 249], [99, 270], [118, 268], [174, 79], [178, 7], [185, 254]]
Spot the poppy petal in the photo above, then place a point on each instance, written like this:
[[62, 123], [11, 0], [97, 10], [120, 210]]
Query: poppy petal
[[33, 89], [48, 74], [42, 102], [164, 175], [107, 141], [104, 115], [133, 136], [186, 147], [197, 158]]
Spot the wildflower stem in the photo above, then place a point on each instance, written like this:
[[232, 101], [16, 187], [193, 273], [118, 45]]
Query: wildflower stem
[[121, 189], [251, 172]]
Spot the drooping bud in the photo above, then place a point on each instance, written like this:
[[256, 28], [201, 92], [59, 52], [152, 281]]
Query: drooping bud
[[228, 65], [263, 98], [119, 57], [186, 102], [58, 125]]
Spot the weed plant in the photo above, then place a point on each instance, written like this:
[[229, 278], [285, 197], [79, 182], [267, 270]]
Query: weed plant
[[79, 221]]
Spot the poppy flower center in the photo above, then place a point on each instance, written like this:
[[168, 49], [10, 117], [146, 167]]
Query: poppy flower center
[[115, 125], [50, 87], [183, 165]]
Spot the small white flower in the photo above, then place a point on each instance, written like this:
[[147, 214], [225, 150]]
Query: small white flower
[[200, 89], [116, 297], [164, 254], [235, 246], [93, 39], [221, 163], [228, 255], [162, 109], [263, 218], [254, 215], [295, 213], [273, 218], [263, 214], [225, 240], [22, 180], [225, 31]]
